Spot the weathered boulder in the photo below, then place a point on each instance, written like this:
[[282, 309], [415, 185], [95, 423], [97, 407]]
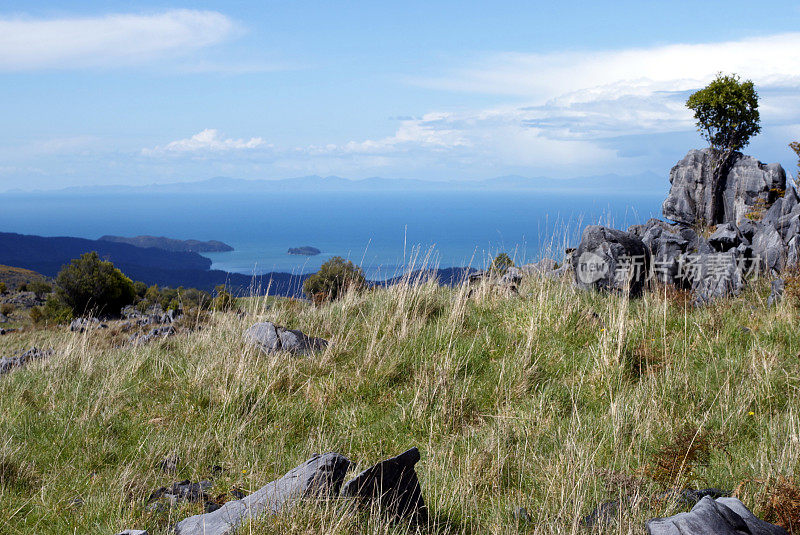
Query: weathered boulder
[[667, 244], [768, 248], [610, 259], [744, 185], [777, 288], [393, 485], [80, 325], [512, 276], [21, 359], [543, 266], [784, 214], [724, 516], [138, 339], [725, 237], [320, 476], [271, 338], [607, 511], [715, 275]]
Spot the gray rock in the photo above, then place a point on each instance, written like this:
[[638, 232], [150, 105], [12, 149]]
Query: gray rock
[[725, 237], [133, 532], [545, 265], [157, 332], [721, 517], [21, 359], [512, 276], [776, 292], [713, 276], [81, 325], [784, 214], [272, 338], [667, 245], [768, 248], [609, 259], [755, 524], [393, 485], [694, 199], [320, 476], [604, 513]]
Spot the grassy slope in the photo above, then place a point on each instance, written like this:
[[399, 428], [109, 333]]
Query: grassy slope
[[528, 401], [14, 276]]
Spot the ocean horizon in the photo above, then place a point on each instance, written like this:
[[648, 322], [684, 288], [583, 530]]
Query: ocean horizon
[[386, 233]]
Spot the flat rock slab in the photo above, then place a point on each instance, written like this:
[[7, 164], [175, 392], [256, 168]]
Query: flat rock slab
[[320, 476], [394, 485], [724, 516], [272, 338]]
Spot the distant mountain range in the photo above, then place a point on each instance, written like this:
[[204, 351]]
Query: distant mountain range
[[644, 182]]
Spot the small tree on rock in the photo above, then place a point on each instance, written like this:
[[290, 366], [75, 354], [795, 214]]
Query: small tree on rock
[[727, 117], [89, 284], [334, 277]]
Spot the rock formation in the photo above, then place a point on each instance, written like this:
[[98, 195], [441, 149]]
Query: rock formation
[[272, 338]]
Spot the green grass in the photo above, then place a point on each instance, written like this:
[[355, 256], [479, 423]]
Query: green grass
[[529, 401]]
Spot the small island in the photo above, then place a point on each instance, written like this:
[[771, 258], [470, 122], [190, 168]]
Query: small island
[[306, 250]]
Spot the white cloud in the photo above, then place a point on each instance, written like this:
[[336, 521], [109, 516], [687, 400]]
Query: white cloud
[[565, 114], [581, 76], [208, 140], [107, 41]]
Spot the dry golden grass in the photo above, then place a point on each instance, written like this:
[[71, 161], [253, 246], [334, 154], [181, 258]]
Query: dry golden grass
[[554, 400]]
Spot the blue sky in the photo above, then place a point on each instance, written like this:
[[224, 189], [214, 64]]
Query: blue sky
[[143, 92]]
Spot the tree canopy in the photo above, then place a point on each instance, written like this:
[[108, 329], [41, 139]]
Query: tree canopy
[[333, 278], [91, 285], [726, 111]]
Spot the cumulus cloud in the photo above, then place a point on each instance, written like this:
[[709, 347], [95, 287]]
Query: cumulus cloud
[[591, 75], [108, 41], [207, 141]]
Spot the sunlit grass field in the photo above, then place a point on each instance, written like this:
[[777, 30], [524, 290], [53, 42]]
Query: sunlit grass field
[[554, 400]]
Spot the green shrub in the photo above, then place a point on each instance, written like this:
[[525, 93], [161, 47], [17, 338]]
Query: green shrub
[[6, 309], [223, 301], [501, 263], [89, 284], [40, 288], [3, 288], [334, 277], [54, 311]]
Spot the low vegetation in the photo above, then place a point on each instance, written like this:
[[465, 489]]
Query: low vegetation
[[555, 400], [333, 279]]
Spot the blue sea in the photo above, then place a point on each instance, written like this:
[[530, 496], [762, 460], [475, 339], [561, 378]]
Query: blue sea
[[384, 232]]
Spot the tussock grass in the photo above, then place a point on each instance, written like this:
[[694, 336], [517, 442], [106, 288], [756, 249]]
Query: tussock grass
[[554, 400]]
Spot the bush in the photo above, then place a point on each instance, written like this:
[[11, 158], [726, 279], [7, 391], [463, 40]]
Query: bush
[[224, 301], [6, 309], [40, 288], [334, 277], [89, 284], [3, 288], [501, 263]]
